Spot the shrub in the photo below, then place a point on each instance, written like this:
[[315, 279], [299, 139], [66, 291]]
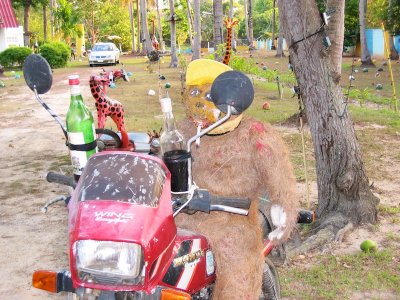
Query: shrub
[[14, 56], [56, 53]]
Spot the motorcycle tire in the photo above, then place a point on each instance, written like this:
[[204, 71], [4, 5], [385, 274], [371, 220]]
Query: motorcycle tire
[[270, 289], [270, 280], [115, 141]]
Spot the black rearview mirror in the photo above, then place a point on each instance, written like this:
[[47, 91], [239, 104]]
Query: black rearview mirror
[[232, 88], [37, 73]]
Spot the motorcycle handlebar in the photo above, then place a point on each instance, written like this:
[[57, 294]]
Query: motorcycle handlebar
[[203, 201], [243, 203], [234, 210], [61, 179]]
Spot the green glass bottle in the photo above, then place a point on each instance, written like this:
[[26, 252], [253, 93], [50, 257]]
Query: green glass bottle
[[80, 128]]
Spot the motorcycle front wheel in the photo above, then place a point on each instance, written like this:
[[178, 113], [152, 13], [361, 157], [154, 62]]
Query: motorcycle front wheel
[[270, 289]]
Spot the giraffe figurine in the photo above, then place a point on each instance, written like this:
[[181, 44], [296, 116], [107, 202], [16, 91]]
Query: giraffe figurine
[[107, 107], [229, 23]]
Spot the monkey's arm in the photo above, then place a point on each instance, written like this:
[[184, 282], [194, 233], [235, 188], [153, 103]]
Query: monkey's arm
[[277, 178]]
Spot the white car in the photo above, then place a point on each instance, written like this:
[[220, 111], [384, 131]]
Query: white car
[[103, 54]]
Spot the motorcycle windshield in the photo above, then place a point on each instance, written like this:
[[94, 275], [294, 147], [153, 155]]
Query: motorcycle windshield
[[122, 177]]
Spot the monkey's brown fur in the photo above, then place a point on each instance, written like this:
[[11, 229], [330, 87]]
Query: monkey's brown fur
[[245, 162]]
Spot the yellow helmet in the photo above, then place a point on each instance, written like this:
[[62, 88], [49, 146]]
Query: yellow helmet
[[200, 75]]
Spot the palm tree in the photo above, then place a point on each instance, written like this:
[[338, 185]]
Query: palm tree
[[334, 30], [159, 28], [174, 57], [27, 4], [279, 49], [138, 25], [132, 21], [365, 56], [273, 26], [52, 6], [197, 30], [218, 21], [44, 22], [393, 7], [147, 47], [246, 17], [190, 22], [250, 12], [233, 30]]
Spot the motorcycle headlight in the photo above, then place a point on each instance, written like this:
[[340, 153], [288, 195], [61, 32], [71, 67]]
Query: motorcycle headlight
[[108, 262]]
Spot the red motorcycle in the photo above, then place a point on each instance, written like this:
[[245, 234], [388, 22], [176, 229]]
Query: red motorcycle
[[123, 240]]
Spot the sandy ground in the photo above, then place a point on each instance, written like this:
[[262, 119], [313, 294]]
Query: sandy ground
[[31, 142]]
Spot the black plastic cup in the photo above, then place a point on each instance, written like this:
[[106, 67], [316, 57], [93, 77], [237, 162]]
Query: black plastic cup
[[177, 162]]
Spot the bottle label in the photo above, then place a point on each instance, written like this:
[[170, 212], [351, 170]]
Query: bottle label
[[78, 158], [166, 105], [75, 90]]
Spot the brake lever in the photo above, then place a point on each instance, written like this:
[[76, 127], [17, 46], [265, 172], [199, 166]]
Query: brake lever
[[51, 202]]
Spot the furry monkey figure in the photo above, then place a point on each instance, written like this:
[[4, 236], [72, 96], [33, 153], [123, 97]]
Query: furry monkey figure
[[244, 158]]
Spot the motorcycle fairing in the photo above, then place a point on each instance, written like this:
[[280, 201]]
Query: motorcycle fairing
[[187, 270], [101, 216]]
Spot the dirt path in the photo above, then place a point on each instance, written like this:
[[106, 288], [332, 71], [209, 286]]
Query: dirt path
[[31, 143]]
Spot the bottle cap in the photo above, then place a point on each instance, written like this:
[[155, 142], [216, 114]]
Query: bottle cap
[[73, 79], [166, 105]]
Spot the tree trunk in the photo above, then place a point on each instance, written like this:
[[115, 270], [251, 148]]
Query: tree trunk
[[159, 28], [26, 24], [174, 57], [218, 21], [131, 19], [197, 30], [343, 187], [51, 5], [393, 53], [334, 30], [246, 18], [250, 13], [91, 25], [190, 23], [273, 27], [147, 47], [44, 23], [140, 36], [233, 29], [365, 56], [279, 49]]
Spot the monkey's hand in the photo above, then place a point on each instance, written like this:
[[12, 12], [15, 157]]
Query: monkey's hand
[[279, 220]]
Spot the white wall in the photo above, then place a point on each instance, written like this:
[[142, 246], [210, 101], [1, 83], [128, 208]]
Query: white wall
[[11, 37]]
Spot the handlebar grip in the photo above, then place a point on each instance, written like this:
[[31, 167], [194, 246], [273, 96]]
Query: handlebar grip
[[243, 203], [61, 179], [306, 216]]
